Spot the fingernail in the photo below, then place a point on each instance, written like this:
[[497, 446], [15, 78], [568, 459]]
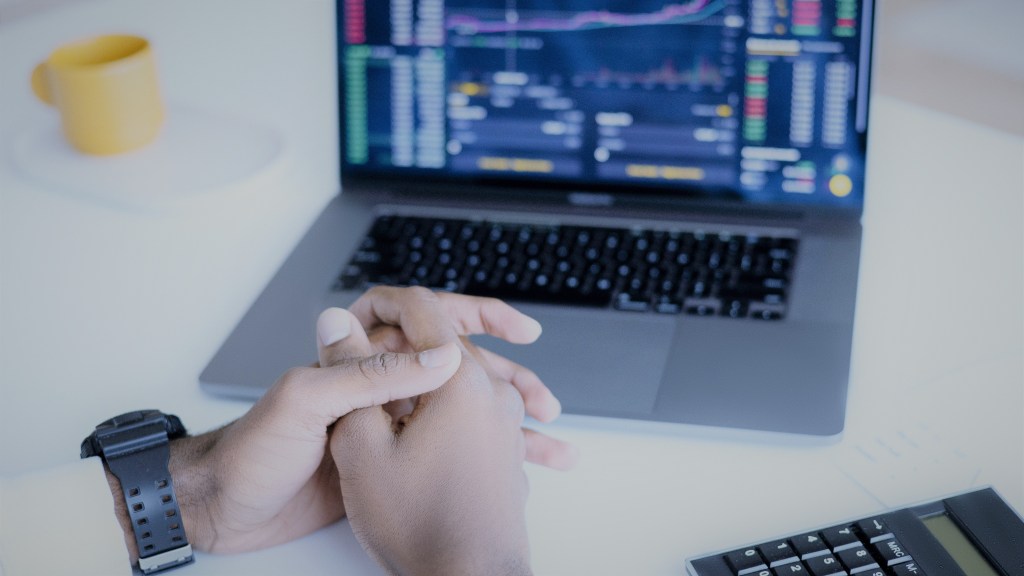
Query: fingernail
[[555, 409], [439, 357], [332, 326], [537, 328]]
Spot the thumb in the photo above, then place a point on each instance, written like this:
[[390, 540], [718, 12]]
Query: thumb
[[374, 381], [379, 379]]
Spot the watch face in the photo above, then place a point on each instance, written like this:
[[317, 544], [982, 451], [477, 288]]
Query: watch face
[[122, 422]]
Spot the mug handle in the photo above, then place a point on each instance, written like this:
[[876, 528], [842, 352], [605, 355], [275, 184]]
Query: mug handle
[[41, 84]]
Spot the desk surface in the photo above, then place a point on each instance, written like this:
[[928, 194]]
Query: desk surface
[[108, 306]]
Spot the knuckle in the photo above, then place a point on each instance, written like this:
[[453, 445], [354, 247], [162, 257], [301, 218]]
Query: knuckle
[[421, 294], [375, 291], [293, 376], [289, 385], [381, 365]]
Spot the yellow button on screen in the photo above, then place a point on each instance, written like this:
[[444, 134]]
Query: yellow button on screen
[[840, 185]]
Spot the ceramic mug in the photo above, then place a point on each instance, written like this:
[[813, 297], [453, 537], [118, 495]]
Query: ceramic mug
[[106, 91]]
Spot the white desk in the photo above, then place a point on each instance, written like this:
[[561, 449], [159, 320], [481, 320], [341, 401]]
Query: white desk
[[106, 308]]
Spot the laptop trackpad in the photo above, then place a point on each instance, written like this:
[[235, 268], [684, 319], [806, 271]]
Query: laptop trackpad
[[596, 362]]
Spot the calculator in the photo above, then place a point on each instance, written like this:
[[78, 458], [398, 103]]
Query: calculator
[[971, 534]]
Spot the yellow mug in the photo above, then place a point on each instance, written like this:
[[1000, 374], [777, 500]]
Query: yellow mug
[[106, 91]]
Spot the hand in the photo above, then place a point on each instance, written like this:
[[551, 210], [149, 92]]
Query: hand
[[268, 477], [446, 492], [426, 319]]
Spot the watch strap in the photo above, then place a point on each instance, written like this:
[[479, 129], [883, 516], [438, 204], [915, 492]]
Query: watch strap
[[135, 448]]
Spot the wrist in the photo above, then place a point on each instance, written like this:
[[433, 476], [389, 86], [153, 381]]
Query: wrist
[[194, 487]]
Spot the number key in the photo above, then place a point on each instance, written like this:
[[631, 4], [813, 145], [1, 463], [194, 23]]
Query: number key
[[778, 553], [857, 560], [810, 545], [746, 561], [827, 565], [840, 538]]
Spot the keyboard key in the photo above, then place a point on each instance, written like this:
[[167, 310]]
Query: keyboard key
[[766, 314], [857, 560], [631, 303], [892, 552], [827, 565], [908, 569], [734, 308], [745, 561], [668, 305], [730, 275], [778, 553], [810, 545], [841, 538], [874, 529], [790, 569], [701, 306]]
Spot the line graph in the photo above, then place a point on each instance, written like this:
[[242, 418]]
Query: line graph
[[703, 72], [511, 22]]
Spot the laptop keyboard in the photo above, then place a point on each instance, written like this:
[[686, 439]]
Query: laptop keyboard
[[696, 272]]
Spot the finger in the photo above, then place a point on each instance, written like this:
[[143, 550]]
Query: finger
[[416, 310], [433, 368], [340, 337], [430, 319], [540, 402], [476, 315], [323, 395], [389, 339], [549, 452]]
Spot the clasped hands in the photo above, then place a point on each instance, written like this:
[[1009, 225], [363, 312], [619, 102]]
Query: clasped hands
[[405, 426]]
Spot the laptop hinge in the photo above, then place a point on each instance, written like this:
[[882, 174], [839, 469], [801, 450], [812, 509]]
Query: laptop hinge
[[591, 199]]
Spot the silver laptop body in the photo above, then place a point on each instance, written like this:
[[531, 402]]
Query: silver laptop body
[[773, 131]]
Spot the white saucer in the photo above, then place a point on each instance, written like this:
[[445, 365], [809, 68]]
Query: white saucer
[[196, 153]]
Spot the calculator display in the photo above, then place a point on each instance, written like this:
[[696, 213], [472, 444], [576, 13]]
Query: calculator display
[[959, 547]]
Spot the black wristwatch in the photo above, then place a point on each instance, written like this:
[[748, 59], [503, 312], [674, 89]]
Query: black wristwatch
[[135, 447]]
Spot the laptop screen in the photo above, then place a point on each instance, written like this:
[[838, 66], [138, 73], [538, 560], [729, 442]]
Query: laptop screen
[[762, 101]]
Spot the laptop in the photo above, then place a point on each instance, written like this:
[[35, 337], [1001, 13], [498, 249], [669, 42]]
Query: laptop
[[674, 190]]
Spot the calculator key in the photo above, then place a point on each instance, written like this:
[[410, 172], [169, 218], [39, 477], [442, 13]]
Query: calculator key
[[908, 569], [840, 538], [745, 561], [827, 565], [874, 529], [857, 560], [892, 552], [790, 570], [778, 553], [809, 545]]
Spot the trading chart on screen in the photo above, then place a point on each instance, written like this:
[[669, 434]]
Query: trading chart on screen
[[762, 99]]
